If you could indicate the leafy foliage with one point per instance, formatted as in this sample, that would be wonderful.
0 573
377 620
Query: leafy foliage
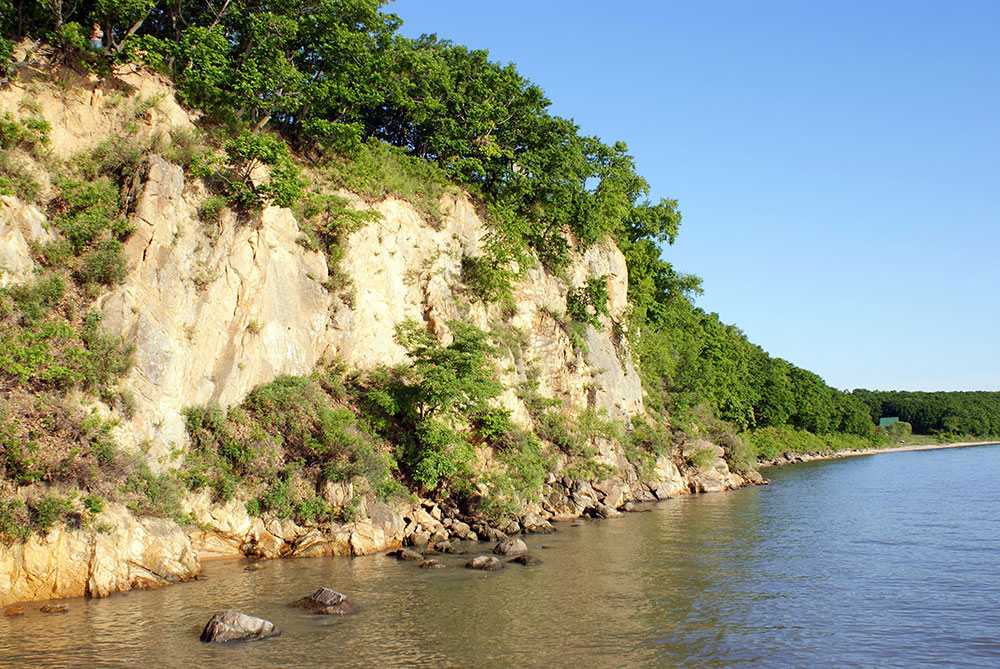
288 436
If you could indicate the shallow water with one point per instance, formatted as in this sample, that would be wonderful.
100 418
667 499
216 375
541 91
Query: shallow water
883 560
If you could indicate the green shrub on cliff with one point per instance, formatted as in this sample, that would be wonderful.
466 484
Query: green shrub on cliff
286 435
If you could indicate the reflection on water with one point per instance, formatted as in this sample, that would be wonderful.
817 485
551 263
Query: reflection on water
887 560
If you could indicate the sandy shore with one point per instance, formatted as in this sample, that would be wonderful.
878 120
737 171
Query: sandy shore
808 457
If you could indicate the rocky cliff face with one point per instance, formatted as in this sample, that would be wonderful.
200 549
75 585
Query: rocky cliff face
215 311
214 314
123 553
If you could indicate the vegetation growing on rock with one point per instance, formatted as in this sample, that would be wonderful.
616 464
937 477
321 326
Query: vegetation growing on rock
316 108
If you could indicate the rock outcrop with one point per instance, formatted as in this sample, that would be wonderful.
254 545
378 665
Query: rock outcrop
125 553
215 309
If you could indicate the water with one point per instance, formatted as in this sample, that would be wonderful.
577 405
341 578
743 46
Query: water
887 560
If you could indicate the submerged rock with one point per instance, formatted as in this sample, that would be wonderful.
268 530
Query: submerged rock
431 564
13 610
327 602
485 563
54 608
510 545
527 560
227 626
405 554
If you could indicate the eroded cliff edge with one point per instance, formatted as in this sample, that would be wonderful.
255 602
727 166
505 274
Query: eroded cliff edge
215 311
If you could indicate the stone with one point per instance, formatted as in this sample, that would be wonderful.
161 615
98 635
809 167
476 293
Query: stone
255 566
663 492
602 510
418 539
526 560
487 533
535 524
430 564
615 496
13 610
327 602
462 531
509 546
54 608
509 526
227 626
405 554
485 563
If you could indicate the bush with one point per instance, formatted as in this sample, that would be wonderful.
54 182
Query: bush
378 170
249 151
45 511
103 264
587 303
155 494
13 524
93 504
210 209
86 209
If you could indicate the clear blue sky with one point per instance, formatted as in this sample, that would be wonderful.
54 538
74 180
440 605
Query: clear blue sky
837 163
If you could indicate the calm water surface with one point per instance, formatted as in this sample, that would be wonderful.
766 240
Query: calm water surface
886 560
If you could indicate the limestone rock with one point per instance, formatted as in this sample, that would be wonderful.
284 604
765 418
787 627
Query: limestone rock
13 610
431 564
227 626
132 553
54 608
21 225
327 602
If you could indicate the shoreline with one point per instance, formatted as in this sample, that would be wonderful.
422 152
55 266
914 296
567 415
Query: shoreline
809 457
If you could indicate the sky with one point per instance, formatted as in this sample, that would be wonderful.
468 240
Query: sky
837 163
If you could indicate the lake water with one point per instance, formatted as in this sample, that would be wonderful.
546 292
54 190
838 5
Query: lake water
886 560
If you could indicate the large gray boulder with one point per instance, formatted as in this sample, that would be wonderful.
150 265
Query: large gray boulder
327 602
235 626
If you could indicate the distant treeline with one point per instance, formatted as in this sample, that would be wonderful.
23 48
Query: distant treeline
975 413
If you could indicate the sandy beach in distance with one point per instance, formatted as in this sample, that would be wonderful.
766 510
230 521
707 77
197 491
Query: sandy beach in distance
809 457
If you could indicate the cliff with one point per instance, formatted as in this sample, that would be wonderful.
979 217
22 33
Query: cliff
216 310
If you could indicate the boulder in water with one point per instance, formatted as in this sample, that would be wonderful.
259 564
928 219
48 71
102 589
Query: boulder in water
527 560
510 545
431 564
485 563
235 626
328 602
405 554
54 608
13 610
